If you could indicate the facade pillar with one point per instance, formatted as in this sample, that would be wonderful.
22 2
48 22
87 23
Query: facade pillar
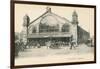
60 28
37 29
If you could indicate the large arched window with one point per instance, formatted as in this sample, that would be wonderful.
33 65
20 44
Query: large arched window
47 28
53 28
43 28
49 24
34 30
65 28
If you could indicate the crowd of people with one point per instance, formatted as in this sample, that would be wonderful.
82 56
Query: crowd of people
21 45
50 43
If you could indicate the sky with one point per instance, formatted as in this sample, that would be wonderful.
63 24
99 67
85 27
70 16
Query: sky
85 15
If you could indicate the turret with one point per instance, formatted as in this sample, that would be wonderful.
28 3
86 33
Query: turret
74 26
74 18
26 20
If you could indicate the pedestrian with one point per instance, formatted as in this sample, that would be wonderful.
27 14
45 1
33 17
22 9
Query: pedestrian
48 44
72 43
38 45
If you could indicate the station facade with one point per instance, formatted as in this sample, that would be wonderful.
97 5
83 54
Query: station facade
52 27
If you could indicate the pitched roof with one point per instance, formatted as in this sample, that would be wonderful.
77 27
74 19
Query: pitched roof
53 15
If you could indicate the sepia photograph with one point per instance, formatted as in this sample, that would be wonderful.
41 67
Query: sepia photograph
46 33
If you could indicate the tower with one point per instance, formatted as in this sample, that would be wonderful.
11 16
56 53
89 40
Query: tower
26 21
75 18
74 26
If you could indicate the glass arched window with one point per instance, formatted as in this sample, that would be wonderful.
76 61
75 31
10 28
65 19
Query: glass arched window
65 28
53 28
43 28
33 30
49 24
47 28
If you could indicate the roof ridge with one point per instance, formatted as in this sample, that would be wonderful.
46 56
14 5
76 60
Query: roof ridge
51 13
61 17
37 18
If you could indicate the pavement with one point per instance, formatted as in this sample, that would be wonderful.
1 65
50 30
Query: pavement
46 55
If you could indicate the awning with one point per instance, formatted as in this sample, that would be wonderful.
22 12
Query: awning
46 35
